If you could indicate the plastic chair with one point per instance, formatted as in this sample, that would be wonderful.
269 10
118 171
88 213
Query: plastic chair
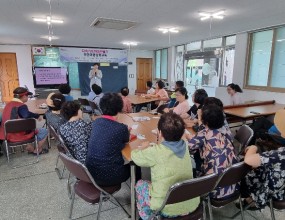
230 176
243 136
86 188
276 204
186 190
17 126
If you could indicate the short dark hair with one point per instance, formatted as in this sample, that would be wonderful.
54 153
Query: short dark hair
235 87
171 126
213 116
160 84
64 89
96 89
183 91
214 101
70 109
149 84
111 104
125 91
200 95
179 84
58 99
98 64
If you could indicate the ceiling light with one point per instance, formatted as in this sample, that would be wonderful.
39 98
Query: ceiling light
168 30
49 38
130 43
48 20
216 15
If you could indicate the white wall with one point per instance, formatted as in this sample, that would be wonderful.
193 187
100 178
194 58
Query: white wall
24 63
132 68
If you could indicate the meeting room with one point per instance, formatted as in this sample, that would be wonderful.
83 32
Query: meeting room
142 110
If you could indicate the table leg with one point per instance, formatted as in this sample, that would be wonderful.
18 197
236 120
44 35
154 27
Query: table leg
133 193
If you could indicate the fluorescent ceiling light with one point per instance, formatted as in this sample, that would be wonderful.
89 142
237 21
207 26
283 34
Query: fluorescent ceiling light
130 43
168 30
49 38
48 20
216 15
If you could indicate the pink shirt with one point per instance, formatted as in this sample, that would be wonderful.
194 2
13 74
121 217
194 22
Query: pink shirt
162 93
182 108
127 108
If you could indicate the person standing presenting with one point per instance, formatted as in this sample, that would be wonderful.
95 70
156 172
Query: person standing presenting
95 76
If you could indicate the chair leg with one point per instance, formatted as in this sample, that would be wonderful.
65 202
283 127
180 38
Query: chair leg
69 187
7 151
210 209
56 168
100 206
271 210
204 210
71 204
241 209
119 204
63 169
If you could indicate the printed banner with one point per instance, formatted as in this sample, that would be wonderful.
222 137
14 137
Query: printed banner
93 55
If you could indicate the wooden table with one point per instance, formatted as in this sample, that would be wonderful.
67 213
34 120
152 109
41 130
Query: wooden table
34 106
138 99
252 112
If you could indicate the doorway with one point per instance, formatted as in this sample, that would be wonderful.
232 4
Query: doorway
9 79
144 72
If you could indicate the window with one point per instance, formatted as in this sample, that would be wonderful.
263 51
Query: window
161 58
194 46
266 61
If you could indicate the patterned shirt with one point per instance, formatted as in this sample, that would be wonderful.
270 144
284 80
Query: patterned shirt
76 135
217 153
265 181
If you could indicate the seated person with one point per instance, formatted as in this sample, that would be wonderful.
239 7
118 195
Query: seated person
95 96
127 105
265 179
169 163
183 105
104 160
172 102
75 132
65 89
214 144
160 93
18 109
234 90
191 118
53 116
262 127
150 91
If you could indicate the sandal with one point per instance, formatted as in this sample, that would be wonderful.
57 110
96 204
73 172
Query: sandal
44 151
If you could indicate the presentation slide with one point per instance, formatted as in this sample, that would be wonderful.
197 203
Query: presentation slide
50 76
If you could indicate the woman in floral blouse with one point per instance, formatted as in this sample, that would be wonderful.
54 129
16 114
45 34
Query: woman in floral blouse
75 132
267 177
215 147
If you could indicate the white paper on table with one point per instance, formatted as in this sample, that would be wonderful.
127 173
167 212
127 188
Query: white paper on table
134 127
156 117
140 136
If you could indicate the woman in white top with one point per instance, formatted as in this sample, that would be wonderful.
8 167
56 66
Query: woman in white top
234 90
183 105
95 76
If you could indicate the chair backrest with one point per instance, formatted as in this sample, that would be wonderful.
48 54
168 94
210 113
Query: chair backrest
233 174
83 102
19 125
244 135
93 105
53 131
62 143
76 168
190 189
